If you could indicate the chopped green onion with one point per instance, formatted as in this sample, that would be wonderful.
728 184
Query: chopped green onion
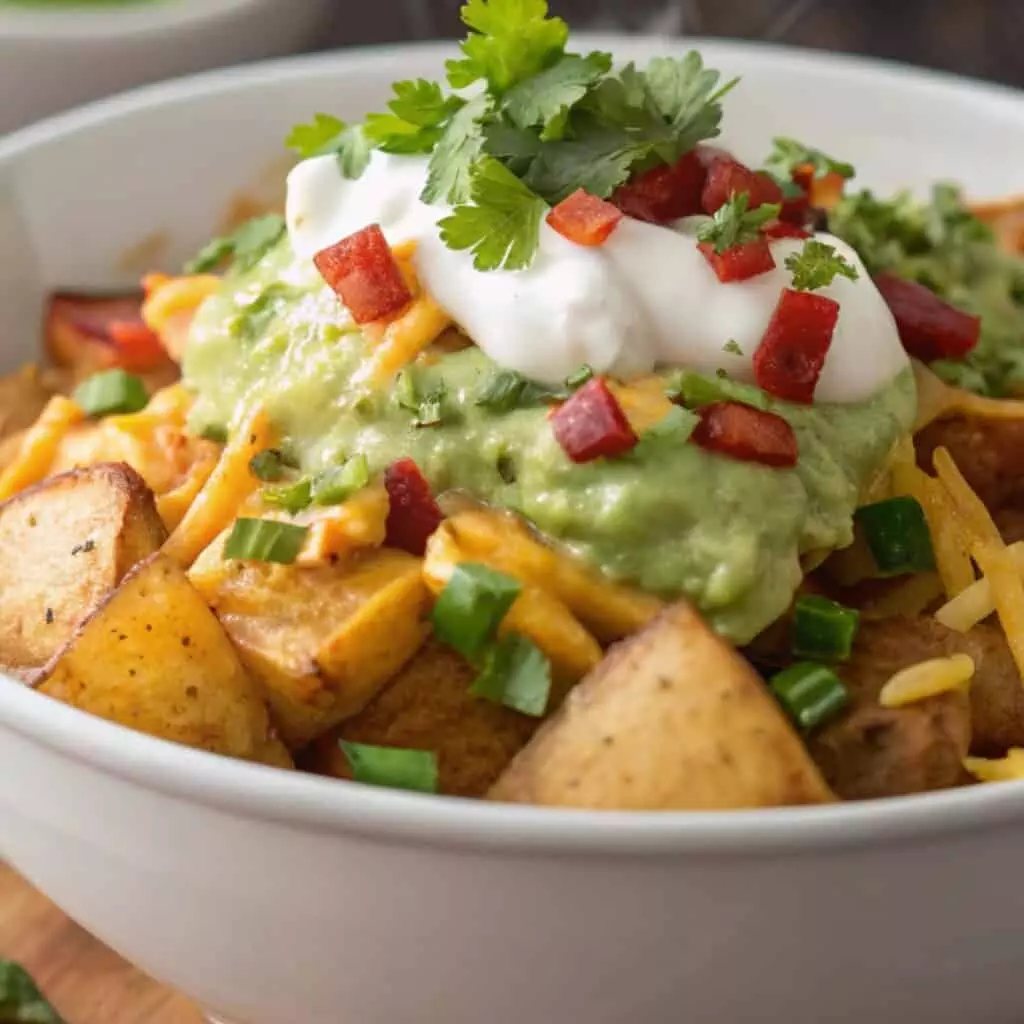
109 392
20 998
897 534
695 391
432 411
503 392
264 540
578 378
394 767
469 610
215 432
268 465
405 392
823 628
337 484
515 673
293 497
810 693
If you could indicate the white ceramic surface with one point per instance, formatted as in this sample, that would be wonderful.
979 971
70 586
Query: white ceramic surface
280 899
52 59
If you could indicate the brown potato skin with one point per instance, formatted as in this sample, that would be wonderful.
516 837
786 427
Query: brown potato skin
154 658
672 719
428 707
52 577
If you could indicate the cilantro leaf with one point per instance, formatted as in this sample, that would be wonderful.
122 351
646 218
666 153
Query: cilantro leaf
418 114
247 246
515 147
21 1002
502 223
545 99
511 40
732 347
733 224
516 673
672 430
788 155
458 149
817 265
326 136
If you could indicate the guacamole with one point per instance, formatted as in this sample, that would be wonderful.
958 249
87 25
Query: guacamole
668 517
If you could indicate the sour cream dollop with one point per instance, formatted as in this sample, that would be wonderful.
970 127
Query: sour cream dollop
645 298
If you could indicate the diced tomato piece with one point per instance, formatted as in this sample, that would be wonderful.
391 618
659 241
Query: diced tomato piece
727 177
592 424
138 346
743 432
796 209
741 261
413 514
707 154
930 328
664 193
365 275
783 229
790 358
584 218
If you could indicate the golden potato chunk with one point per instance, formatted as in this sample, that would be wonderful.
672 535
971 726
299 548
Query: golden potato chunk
672 719
154 658
64 545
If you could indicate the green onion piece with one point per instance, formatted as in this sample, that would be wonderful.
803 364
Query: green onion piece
515 673
469 610
897 534
406 393
503 392
292 497
215 432
264 540
810 693
109 392
337 484
578 378
431 411
394 767
268 464
20 998
823 628
695 391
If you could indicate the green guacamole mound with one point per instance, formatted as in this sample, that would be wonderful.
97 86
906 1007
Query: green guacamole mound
668 517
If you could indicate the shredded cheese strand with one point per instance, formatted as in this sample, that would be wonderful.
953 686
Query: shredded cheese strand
927 679
1002 769
975 603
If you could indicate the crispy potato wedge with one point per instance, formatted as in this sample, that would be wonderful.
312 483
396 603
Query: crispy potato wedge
64 545
154 658
321 640
673 718
427 706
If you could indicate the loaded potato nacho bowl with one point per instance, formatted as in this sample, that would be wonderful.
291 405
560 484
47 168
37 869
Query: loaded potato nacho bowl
540 450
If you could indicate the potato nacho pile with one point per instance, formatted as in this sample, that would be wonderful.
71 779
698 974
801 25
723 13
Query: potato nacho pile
543 451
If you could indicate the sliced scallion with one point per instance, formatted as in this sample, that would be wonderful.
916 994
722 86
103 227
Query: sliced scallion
896 531
268 465
578 378
469 610
110 392
515 673
810 693
823 629
337 484
264 540
394 767
502 392
293 497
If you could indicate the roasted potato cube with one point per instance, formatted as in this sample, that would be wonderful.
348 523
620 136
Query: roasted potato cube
427 706
64 545
673 718
322 640
154 658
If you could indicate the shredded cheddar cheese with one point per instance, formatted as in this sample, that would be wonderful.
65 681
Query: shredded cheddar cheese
360 522
1001 769
39 446
936 399
975 603
927 679
171 303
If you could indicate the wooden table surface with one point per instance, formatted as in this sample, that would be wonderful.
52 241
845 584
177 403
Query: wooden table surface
85 981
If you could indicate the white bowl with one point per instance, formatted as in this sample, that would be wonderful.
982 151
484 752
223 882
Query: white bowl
51 59
274 898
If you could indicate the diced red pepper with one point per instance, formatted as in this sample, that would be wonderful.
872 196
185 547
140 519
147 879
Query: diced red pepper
413 514
727 177
591 424
739 262
664 193
790 358
365 275
796 209
584 218
743 432
930 328
707 154
783 229
138 346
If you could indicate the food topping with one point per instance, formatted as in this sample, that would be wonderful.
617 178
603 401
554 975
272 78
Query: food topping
264 540
810 693
728 178
751 435
664 193
109 392
591 424
393 767
897 534
823 629
584 219
413 513
469 610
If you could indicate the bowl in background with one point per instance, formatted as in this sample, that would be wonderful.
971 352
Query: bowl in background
276 898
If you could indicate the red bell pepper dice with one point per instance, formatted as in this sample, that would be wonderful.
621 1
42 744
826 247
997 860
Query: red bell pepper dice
728 177
783 229
745 433
364 274
739 262
790 358
930 328
413 514
592 424
796 209
138 346
584 218
664 193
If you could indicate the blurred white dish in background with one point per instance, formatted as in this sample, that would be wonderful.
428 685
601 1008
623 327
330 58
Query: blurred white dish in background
57 56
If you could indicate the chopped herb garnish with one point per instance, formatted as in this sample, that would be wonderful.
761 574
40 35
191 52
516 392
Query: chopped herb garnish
469 610
823 629
268 465
214 432
265 540
433 411
897 534
449 171
544 100
810 693
788 155
392 767
21 1002
246 247
817 265
515 673
695 391
733 224
578 378
673 429
292 497
49 616
338 483
503 391
418 114
732 347
326 136
111 392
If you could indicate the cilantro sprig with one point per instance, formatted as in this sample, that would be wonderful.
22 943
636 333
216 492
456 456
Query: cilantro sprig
416 118
789 155
817 265
244 249
326 135
734 224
